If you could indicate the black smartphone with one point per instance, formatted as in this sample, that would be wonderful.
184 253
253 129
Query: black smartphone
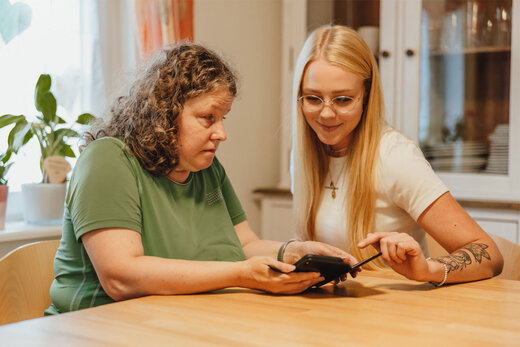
329 267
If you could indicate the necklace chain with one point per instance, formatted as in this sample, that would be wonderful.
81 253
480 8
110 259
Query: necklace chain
332 186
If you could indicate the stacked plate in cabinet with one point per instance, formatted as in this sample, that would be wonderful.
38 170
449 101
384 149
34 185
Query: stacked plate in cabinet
498 150
460 156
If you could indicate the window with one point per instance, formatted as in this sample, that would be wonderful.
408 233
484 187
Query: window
59 38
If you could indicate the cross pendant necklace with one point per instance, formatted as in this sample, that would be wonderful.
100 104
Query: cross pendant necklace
332 186
333 189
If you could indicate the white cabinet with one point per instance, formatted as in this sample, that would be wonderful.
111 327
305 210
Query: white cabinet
451 80
277 221
504 223
277 217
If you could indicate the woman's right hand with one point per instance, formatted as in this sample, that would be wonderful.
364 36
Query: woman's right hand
257 274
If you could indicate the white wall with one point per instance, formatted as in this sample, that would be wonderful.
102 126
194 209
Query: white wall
248 34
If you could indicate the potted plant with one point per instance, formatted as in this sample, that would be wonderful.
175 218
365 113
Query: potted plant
43 202
5 164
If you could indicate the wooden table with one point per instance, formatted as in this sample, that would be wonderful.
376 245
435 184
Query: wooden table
374 309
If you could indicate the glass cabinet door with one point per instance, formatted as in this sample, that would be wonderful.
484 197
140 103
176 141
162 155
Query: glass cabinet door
465 66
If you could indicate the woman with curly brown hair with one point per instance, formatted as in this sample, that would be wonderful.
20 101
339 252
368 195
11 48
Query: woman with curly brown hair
150 210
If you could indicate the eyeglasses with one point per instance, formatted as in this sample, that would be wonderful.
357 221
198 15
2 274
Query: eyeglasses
339 104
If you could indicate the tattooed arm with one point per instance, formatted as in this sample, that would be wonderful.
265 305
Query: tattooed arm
473 254
460 259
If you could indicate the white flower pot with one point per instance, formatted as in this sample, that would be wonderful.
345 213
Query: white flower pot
43 203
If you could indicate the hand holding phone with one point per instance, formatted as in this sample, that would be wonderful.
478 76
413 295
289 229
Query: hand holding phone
329 267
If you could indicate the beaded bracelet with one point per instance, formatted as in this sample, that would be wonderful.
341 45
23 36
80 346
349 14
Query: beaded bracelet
282 249
438 284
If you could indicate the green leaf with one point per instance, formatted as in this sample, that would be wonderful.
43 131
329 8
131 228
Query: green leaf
7 119
59 136
4 168
65 132
3 172
17 135
66 151
42 86
60 120
46 103
4 158
85 118
27 137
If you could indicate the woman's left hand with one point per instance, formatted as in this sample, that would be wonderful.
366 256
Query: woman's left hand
401 252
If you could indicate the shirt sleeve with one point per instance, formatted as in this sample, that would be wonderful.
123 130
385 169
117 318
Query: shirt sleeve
406 176
236 212
104 189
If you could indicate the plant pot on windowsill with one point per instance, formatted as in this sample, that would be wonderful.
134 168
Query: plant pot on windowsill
43 202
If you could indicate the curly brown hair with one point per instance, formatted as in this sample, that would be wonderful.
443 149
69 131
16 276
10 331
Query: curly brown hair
146 117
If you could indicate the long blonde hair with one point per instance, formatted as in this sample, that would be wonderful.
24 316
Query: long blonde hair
343 47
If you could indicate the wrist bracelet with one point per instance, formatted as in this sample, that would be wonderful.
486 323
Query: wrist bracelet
438 284
282 250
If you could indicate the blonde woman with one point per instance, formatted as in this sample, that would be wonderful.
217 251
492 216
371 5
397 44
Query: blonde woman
364 187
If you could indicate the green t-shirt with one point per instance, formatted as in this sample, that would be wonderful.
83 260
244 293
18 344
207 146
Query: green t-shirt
109 189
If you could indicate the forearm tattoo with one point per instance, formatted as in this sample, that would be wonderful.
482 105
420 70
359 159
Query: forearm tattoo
461 258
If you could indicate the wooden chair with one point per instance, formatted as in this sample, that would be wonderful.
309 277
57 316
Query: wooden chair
510 251
26 274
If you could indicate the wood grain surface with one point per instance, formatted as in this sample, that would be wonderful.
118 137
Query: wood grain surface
375 309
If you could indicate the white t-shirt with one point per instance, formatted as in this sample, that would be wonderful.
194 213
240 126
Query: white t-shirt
405 186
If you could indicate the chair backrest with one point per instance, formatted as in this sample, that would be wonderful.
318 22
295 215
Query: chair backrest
510 251
26 274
